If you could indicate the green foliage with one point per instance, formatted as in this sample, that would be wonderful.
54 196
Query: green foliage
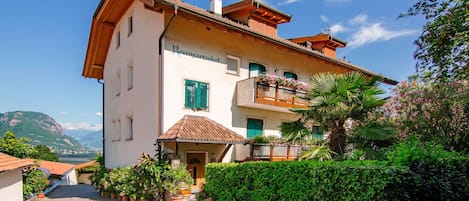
434 173
295 131
19 147
259 139
335 98
149 179
43 152
34 181
16 147
317 152
433 112
443 47
302 180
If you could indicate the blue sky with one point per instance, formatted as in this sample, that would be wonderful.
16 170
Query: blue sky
43 44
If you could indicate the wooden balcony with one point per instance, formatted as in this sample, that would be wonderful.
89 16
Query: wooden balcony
254 94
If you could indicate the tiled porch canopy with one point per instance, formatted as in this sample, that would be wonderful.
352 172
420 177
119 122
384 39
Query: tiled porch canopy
197 129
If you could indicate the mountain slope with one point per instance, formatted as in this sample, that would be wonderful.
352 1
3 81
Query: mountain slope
40 129
88 138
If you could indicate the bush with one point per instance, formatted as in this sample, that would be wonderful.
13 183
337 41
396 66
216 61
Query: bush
434 173
34 181
302 180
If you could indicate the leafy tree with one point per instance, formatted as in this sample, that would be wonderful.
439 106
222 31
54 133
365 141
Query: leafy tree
16 147
335 98
433 112
44 153
443 47
19 147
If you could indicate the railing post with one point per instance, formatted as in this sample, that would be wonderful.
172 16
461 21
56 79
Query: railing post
271 152
276 93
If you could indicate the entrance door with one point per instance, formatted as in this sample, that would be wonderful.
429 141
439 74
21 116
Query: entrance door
196 166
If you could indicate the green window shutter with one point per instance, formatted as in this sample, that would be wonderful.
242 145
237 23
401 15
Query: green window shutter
317 132
257 67
190 94
202 95
290 75
255 127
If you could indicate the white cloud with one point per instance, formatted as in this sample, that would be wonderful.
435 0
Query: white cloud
64 113
99 114
359 19
375 32
324 18
288 2
337 28
81 125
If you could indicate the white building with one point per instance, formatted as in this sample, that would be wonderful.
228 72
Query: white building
188 76
11 177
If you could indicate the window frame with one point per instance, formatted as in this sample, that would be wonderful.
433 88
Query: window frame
130 128
118 38
197 95
117 130
130 77
118 84
238 64
130 25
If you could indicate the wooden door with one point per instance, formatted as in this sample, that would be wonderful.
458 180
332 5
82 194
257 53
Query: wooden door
196 166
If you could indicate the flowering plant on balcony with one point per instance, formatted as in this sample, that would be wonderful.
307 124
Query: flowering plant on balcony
283 81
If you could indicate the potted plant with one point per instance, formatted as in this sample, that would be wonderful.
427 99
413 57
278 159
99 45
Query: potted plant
175 179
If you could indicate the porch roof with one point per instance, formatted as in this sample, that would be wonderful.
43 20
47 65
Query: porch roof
197 129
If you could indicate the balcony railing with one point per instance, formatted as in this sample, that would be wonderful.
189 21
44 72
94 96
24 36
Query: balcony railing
279 96
262 95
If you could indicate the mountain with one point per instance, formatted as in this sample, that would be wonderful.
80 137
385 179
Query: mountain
88 138
39 128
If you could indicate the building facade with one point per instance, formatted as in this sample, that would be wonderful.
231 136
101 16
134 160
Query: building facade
199 82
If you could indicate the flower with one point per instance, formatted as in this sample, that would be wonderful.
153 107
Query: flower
283 81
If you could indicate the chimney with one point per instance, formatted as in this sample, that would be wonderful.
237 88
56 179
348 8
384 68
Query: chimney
216 6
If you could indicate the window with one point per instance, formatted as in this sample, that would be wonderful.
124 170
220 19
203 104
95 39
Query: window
130 128
118 39
118 84
255 127
196 95
131 26
290 75
317 132
232 64
130 77
117 130
256 69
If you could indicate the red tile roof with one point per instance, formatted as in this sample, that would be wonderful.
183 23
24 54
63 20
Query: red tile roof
55 168
85 164
199 129
8 163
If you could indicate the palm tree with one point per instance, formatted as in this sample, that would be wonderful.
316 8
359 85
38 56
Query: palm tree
335 98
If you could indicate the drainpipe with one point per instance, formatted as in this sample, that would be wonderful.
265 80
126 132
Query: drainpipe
161 77
104 139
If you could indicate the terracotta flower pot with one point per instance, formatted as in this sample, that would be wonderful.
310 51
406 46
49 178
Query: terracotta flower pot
176 198
113 196
125 198
41 195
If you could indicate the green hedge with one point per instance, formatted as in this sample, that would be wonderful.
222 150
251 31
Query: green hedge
414 171
303 180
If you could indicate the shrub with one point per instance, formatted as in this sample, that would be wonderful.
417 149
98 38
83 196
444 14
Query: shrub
34 181
434 173
302 180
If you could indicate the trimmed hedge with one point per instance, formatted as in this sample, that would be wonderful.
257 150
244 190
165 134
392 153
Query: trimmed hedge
415 171
303 180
